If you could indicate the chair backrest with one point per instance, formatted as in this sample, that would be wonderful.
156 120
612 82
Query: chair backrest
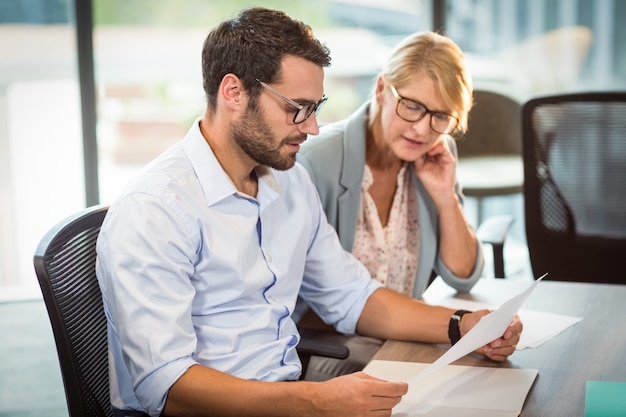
494 126
65 266
574 149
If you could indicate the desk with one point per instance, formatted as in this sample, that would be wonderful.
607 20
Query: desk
593 349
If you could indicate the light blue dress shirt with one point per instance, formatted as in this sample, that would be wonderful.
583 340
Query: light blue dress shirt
193 271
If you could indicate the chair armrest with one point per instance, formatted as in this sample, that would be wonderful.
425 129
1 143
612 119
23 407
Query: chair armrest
493 231
309 346
321 348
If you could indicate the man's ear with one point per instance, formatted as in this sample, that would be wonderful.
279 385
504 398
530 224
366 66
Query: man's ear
231 92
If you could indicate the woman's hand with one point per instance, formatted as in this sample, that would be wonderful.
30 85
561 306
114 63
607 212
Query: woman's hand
436 170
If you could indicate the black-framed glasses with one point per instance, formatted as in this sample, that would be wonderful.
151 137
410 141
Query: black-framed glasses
413 111
303 111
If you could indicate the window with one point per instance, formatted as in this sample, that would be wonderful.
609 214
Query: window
526 48
149 75
149 89
41 172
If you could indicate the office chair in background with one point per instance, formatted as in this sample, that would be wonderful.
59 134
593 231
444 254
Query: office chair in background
65 266
490 164
490 153
574 148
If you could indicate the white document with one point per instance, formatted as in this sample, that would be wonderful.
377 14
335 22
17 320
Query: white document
489 328
459 391
539 326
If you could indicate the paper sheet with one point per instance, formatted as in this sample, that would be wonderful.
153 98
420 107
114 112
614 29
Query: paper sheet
459 391
489 328
539 326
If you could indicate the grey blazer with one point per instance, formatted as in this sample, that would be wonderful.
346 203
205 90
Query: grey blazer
335 161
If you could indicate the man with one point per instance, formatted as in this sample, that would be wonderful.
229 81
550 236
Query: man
201 259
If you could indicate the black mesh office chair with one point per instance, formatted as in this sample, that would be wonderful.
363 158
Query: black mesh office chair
65 266
574 149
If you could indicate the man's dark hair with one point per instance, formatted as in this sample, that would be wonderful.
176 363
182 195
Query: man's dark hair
252 46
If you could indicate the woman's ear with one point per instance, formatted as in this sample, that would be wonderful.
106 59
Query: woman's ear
379 91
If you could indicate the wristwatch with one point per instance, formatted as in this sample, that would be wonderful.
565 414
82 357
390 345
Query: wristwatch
454 332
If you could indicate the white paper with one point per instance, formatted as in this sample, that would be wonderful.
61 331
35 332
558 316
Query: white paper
539 326
459 391
489 328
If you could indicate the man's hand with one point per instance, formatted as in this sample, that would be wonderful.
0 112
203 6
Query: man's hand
500 349
356 395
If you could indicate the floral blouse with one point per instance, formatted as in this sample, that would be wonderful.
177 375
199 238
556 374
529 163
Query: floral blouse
390 253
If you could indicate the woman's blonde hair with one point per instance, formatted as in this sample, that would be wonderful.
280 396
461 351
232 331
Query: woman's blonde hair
434 55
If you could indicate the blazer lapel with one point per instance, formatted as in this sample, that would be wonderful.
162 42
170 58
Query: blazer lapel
428 219
353 165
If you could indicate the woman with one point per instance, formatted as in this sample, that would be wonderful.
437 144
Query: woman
386 178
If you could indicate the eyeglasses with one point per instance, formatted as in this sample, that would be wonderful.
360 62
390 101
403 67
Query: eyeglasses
303 111
413 111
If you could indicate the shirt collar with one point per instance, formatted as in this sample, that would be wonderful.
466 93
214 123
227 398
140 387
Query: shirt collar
215 183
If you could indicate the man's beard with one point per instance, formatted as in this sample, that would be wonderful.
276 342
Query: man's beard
255 138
